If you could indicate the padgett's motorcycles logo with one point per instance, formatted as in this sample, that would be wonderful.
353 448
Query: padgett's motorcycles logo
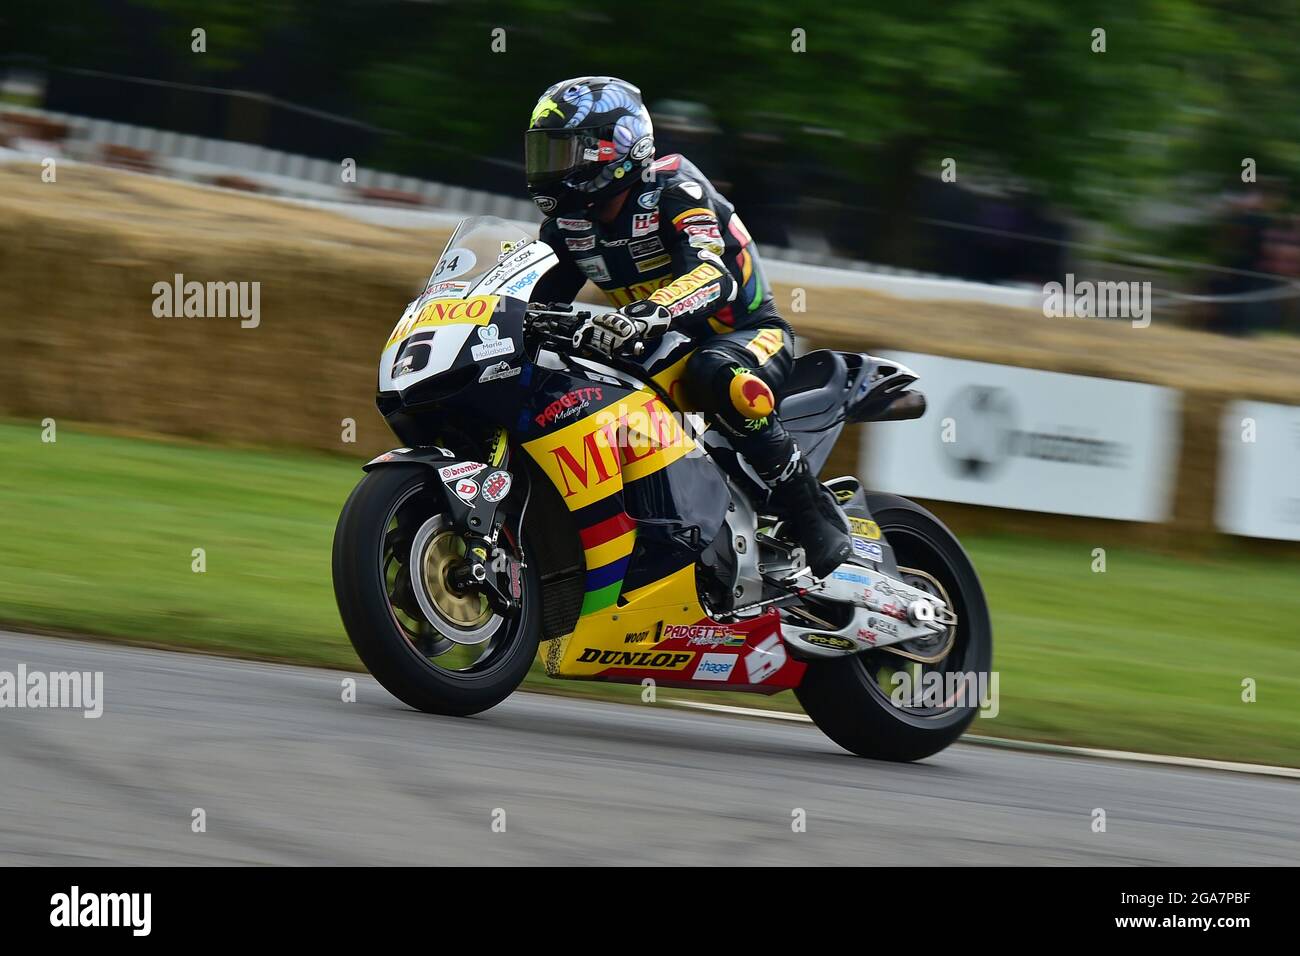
569 405
707 635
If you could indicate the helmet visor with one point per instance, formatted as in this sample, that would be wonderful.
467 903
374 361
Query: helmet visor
551 155
571 155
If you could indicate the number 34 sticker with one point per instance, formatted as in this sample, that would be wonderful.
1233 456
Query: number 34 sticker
454 263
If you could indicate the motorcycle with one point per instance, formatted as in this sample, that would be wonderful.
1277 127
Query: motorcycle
550 496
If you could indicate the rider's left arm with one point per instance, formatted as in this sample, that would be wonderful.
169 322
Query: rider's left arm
692 234
563 282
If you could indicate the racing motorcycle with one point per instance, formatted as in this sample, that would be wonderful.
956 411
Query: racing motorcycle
550 496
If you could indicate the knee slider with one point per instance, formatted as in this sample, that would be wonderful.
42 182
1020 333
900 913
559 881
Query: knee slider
717 384
750 395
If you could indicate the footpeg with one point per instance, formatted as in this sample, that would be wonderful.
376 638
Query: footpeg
887 612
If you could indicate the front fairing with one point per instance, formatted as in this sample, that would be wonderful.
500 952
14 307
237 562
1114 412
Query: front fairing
437 336
466 328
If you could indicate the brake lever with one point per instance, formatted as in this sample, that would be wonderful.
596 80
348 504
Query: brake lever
560 326
579 336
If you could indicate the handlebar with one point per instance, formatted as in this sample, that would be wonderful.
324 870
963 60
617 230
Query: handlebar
544 318
558 325
555 326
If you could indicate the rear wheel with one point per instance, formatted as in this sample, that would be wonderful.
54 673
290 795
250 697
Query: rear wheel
874 704
436 648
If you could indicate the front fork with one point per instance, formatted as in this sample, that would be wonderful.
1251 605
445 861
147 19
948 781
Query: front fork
488 566
492 570
472 492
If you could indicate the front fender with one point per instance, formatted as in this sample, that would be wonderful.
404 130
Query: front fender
432 455
471 490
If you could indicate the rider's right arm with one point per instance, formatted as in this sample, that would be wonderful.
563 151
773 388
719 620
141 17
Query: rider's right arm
563 282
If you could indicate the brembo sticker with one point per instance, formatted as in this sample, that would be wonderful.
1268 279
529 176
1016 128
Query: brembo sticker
462 470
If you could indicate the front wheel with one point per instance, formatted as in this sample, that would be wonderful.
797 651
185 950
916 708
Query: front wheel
869 703
440 650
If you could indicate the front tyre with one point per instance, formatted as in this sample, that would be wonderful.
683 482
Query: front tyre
440 651
855 700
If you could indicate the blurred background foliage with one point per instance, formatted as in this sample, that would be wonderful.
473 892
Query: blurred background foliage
1140 140
1185 88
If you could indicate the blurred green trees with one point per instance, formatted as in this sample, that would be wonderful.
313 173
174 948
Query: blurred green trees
1183 92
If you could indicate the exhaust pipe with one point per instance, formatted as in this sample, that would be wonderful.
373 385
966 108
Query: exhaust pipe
890 407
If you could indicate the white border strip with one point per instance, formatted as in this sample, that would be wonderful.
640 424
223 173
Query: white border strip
741 711
1198 763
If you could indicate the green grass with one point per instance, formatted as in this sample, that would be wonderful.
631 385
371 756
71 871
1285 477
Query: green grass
97 533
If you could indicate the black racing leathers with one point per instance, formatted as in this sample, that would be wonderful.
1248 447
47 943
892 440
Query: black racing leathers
678 242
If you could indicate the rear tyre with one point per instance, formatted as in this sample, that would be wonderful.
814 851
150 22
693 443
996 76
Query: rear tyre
849 698
392 509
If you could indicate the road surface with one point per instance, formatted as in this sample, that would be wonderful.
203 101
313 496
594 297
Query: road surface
286 772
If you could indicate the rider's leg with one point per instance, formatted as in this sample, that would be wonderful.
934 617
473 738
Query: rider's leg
733 378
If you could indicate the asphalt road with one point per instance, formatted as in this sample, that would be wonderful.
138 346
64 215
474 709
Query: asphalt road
287 773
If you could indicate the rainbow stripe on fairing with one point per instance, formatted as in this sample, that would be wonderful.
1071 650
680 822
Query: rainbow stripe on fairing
607 545
589 461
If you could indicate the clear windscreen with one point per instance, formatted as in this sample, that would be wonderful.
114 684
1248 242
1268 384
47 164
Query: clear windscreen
474 249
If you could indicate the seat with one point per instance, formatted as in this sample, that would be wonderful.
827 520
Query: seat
811 405
813 393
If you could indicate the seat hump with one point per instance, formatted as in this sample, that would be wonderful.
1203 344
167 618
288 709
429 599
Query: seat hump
815 387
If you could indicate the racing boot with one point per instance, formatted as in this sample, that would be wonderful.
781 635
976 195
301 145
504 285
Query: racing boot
811 514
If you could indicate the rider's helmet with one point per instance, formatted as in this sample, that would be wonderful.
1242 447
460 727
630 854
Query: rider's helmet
589 139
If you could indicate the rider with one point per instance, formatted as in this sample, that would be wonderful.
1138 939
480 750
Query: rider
670 252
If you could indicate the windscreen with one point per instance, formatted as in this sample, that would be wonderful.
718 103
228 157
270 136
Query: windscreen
473 250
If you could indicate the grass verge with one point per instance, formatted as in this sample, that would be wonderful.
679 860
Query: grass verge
98 535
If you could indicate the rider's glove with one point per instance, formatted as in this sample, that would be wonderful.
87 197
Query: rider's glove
611 332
